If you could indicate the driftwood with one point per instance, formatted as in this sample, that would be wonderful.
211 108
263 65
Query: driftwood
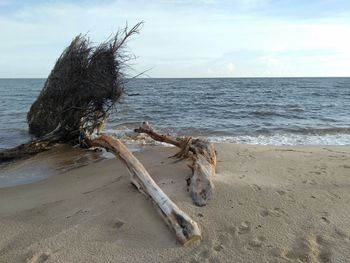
186 229
203 156
82 89
25 150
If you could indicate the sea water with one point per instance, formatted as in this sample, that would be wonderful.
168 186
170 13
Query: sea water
275 111
269 111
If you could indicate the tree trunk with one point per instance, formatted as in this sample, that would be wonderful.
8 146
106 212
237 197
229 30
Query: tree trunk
25 150
186 230
203 156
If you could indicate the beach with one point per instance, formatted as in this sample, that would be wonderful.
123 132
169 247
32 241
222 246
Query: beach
271 204
237 113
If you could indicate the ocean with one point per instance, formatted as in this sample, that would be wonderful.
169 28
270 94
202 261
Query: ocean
268 111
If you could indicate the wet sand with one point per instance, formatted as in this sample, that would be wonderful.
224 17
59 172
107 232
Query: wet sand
271 204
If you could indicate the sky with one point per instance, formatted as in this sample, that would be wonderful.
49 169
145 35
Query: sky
193 38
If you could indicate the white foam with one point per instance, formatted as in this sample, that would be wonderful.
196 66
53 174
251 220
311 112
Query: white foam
286 139
129 137
132 138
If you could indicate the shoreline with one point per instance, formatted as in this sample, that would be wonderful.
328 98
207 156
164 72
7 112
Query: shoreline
64 158
271 204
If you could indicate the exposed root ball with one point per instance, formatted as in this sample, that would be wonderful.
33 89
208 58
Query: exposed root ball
82 88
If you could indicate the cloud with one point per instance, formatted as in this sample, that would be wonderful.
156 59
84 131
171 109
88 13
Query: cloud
185 2
231 68
196 38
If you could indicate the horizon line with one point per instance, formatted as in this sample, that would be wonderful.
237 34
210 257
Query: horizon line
254 77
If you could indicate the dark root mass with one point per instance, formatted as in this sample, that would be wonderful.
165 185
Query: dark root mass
81 90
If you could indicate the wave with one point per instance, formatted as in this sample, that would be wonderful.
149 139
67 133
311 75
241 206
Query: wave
286 139
132 138
329 136
271 114
310 111
305 131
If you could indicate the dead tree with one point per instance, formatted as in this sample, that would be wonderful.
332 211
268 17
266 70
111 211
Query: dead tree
83 87
186 229
203 156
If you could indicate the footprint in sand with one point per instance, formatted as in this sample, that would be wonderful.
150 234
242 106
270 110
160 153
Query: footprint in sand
320 170
226 238
256 242
335 184
312 249
244 228
218 247
208 254
256 187
281 192
232 231
324 217
312 182
291 198
276 212
333 195
117 224
291 170
324 248
284 194
342 233
204 254
39 257
242 176
264 213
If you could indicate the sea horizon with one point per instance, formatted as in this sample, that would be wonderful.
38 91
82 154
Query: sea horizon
254 77
268 111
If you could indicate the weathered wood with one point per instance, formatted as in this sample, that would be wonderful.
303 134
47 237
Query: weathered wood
186 229
203 156
25 150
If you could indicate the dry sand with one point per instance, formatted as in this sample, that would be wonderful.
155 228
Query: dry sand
272 204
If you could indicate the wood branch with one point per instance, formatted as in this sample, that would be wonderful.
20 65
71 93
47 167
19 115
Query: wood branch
25 150
203 156
127 33
186 229
146 128
38 145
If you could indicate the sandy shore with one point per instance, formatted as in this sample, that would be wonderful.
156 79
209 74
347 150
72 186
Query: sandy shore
272 204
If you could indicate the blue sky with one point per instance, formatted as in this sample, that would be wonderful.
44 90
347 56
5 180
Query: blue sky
194 38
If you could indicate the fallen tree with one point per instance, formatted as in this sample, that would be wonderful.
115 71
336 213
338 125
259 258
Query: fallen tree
25 149
203 156
186 229
83 87
81 90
